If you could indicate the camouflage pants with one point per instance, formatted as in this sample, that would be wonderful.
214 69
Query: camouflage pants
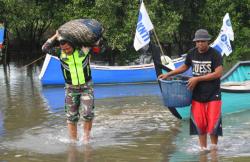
79 102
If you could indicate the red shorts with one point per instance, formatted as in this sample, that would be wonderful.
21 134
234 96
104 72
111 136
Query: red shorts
206 118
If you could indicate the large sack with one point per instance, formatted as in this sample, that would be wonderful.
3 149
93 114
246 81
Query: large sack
81 32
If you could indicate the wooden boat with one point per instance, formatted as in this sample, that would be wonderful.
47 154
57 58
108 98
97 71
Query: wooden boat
235 87
51 73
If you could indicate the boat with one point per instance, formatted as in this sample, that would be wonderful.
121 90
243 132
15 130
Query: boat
235 87
51 72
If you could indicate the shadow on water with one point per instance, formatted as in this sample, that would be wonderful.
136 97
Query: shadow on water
130 125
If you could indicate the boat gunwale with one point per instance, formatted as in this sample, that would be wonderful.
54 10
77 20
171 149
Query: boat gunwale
130 67
233 69
225 76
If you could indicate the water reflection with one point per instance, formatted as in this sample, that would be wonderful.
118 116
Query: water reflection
131 127
128 118
75 153
1 123
211 156
55 95
125 128
21 101
4 86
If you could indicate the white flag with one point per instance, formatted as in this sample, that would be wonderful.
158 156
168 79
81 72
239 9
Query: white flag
222 43
144 25
227 27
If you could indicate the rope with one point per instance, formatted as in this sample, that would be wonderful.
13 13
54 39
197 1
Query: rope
34 61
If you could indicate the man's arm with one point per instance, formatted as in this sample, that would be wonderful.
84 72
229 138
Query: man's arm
179 70
211 76
49 44
192 82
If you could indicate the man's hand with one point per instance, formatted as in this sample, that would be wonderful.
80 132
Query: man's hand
192 82
53 38
163 76
85 49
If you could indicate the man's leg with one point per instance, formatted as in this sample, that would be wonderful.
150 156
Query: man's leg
214 122
72 100
87 110
198 122
203 141
214 141
87 125
72 128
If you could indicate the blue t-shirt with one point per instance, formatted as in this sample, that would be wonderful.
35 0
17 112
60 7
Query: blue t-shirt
202 64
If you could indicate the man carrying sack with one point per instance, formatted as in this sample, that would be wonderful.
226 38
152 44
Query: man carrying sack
76 39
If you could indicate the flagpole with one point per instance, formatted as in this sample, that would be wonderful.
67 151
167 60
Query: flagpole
142 35
158 42
162 53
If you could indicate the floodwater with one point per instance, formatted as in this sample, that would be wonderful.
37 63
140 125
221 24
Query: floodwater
131 125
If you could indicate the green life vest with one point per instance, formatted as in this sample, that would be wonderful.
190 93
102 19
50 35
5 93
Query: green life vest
75 67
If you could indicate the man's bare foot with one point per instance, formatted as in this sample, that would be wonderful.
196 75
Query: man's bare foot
204 150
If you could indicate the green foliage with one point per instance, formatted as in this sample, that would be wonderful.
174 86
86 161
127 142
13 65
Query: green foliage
240 18
118 18
32 21
28 20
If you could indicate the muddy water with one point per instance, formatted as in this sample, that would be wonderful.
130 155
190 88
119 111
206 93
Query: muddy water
129 126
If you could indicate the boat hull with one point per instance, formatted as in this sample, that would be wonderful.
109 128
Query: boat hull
51 73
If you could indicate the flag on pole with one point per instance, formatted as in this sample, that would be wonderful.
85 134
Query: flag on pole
144 25
222 43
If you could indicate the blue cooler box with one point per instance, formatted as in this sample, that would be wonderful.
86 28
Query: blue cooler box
175 93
